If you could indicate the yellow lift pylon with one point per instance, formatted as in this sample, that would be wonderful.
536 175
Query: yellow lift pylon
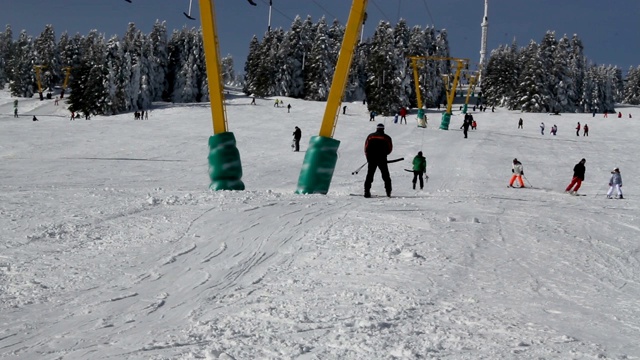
450 86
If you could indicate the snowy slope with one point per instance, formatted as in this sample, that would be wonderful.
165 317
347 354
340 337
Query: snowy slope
113 248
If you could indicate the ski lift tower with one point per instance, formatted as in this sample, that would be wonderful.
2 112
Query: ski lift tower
483 44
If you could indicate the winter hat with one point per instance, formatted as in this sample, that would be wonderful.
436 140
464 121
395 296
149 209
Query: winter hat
419 153
616 170
515 160
380 126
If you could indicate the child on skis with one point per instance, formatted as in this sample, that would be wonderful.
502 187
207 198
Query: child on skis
518 171
419 168
615 182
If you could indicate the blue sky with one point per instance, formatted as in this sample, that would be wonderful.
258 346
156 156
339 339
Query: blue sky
610 32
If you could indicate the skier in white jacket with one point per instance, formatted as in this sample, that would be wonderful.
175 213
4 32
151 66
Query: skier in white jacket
615 182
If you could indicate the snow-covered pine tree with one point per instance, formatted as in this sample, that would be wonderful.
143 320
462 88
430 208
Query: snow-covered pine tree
404 71
46 55
228 72
632 87
382 85
577 69
564 89
319 71
6 54
532 80
20 67
251 65
159 61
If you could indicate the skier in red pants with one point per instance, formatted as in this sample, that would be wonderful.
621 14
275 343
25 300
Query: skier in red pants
578 178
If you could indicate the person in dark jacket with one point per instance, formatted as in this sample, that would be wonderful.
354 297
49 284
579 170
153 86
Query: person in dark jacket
465 125
578 178
376 148
297 135
419 168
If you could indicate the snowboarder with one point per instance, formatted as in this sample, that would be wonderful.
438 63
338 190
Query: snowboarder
297 135
376 148
518 172
542 128
554 130
615 182
288 108
419 169
585 130
34 118
578 178
520 122
403 115
578 129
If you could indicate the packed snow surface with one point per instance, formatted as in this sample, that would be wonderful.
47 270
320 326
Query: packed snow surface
112 246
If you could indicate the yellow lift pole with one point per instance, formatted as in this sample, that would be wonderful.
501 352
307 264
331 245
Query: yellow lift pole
37 69
67 70
322 155
225 167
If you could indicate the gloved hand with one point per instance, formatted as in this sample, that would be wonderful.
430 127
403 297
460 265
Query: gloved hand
610 184
522 173
512 170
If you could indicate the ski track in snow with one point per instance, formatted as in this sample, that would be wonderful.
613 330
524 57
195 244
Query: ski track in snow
145 263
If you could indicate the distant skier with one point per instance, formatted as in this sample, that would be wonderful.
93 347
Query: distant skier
542 128
419 169
372 116
253 100
465 125
585 131
344 110
619 115
288 108
615 182
554 130
15 112
376 148
578 178
578 129
34 118
403 115
520 122
474 125
297 135
276 103
518 172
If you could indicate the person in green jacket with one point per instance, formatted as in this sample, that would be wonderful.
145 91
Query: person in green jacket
419 168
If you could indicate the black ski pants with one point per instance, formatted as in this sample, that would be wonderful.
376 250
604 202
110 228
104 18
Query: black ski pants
374 164
418 175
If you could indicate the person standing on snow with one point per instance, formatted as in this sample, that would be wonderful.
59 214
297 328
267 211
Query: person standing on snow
578 129
376 148
520 124
518 172
585 130
419 168
615 182
542 128
554 130
403 115
465 125
297 135
578 178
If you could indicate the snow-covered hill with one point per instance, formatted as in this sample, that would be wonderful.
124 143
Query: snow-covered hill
113 247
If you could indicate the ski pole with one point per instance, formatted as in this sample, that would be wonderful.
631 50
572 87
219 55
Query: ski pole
527 181
358 169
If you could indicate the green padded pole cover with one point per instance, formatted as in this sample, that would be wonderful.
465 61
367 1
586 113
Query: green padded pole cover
422 121
446 118
225 167
319 163
464 109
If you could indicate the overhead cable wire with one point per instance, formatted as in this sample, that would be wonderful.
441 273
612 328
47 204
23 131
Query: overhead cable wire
379 9
325 10
278 11
429 12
